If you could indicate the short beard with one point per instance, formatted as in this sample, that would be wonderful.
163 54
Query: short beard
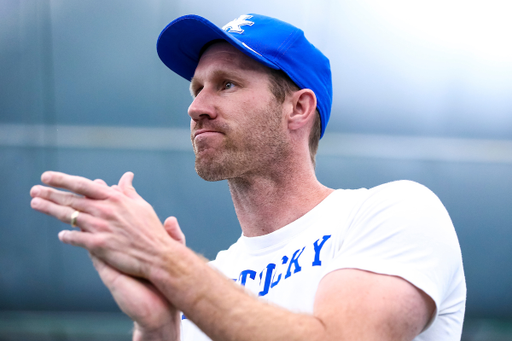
247 152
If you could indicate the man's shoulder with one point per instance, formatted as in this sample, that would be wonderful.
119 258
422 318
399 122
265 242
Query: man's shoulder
394 192
404 191
396 187
403 186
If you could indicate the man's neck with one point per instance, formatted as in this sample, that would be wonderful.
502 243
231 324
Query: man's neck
264 204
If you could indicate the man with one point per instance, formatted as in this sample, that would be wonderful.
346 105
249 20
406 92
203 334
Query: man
312 263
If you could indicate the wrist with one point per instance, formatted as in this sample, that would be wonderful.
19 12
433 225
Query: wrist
175 269
166 332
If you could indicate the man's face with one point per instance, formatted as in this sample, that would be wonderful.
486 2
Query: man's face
237 126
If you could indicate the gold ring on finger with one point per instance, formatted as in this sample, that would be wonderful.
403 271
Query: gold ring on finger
74 216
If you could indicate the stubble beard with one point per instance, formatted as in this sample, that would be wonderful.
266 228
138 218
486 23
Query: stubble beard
247 151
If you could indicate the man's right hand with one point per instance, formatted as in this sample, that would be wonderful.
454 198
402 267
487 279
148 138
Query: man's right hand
154 316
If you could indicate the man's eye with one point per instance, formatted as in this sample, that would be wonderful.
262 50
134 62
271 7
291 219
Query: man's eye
197 91
228 85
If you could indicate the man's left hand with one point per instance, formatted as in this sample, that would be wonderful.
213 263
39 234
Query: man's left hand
116 224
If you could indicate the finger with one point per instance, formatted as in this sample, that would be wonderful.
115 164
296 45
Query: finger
63 213
125 183
107 273
98 263
117 188
77 238
100 181
76 184
62 198
84 220
173 229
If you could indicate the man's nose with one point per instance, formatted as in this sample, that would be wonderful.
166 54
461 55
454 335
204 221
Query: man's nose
202 107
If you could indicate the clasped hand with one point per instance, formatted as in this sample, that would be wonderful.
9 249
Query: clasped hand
116 224
123 235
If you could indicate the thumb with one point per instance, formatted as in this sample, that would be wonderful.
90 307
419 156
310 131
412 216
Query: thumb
107 273
173 229
125 184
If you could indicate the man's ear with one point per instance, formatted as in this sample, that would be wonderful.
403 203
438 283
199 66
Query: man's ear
303 109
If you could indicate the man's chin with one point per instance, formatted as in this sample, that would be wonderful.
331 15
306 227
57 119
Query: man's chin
210 171
210 176
219 166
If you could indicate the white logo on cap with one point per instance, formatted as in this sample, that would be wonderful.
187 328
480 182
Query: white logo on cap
235 25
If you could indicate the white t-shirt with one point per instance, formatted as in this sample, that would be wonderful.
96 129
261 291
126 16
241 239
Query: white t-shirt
399 228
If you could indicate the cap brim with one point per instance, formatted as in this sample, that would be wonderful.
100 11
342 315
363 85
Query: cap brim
180 44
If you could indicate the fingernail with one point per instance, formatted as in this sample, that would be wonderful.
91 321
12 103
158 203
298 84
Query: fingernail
35 191
35 202
61 235
45 177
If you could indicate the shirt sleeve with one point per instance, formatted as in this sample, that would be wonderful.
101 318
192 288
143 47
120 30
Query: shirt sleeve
402 229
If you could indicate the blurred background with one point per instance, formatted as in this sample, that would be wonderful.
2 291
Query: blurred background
422 91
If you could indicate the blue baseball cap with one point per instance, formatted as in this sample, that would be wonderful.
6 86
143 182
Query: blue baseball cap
269 41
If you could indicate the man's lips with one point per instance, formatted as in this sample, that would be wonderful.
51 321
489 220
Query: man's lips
205 132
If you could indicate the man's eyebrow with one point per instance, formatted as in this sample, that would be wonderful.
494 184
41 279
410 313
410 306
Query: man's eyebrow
191 87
